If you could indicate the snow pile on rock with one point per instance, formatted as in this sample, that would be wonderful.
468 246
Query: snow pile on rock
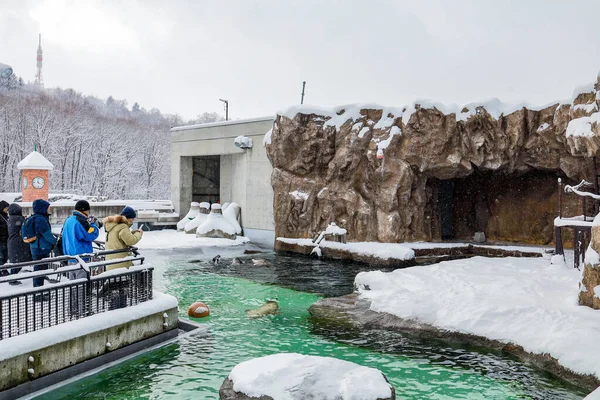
194 210
295 376
199 219
524 301
216 226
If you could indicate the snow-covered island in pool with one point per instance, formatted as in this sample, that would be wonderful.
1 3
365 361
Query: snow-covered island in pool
291 376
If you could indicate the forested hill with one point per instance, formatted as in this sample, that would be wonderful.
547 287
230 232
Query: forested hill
98 147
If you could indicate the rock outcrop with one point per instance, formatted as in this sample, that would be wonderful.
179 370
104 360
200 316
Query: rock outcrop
297 376
427 172
589 287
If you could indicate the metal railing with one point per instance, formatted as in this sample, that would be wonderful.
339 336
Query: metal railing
90 290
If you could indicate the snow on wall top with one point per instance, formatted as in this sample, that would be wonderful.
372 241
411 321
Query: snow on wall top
35 160
221 123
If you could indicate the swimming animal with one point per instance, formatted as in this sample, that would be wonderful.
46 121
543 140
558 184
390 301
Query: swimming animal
216 259
236 261
270 307
259 261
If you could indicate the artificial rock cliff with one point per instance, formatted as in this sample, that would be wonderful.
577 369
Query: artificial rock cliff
428 172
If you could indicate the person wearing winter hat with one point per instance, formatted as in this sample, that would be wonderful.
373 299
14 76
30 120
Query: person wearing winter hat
45 240
3 235
120 236
78 233
18 250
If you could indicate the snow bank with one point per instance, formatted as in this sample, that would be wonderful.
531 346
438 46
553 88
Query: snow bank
526 301
289 376
383 251
171 239
14 346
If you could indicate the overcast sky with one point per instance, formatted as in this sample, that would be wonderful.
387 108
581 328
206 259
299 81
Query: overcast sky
182 56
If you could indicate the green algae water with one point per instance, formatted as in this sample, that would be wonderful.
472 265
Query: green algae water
195 367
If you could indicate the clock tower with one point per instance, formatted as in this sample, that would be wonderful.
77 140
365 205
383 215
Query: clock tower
34 177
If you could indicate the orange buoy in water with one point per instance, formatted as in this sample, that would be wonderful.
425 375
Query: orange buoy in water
198 310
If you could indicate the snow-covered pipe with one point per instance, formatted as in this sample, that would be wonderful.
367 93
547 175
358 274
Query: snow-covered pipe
194 210
232 215
193 225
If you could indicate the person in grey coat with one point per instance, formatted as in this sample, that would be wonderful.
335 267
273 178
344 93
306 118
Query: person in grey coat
18 250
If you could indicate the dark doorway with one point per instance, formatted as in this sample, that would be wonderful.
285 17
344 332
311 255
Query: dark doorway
206 181
446 204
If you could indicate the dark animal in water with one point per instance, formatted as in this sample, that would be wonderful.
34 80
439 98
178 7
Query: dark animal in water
216 259
236 261
252 252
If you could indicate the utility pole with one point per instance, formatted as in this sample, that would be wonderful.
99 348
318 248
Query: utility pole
226 109
303 86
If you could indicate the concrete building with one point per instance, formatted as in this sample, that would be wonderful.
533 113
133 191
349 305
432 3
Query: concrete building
206 165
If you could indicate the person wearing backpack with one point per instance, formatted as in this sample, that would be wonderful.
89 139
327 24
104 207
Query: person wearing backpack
79 232
3 235
37 232
18 250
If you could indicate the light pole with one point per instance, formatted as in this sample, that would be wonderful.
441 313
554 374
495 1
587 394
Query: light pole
226 109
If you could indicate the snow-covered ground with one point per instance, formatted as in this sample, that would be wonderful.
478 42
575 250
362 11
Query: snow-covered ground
170 239
289 376
526 301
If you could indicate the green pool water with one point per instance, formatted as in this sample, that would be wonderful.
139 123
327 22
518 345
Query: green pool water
195 367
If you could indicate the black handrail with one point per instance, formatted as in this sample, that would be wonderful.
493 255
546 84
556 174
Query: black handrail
29 309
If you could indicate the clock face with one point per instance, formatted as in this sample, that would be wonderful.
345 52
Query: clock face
38 182
25 182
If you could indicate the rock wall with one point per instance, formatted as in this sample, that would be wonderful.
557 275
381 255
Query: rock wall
396 174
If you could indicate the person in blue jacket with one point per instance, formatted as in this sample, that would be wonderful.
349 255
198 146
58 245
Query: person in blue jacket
78 233
45 241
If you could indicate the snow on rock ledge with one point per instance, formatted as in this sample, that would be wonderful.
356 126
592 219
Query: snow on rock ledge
291 376
524 301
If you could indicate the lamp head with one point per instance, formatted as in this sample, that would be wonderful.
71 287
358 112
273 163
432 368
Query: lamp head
5 71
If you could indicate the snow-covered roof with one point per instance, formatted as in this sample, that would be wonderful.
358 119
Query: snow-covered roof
35 161
222 123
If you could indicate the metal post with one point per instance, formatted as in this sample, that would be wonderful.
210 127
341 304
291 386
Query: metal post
302 98
559 198
226 109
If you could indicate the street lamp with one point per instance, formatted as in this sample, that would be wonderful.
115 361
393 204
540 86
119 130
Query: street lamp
5 71
226 109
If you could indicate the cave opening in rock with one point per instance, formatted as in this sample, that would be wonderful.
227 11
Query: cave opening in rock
517 207
206 179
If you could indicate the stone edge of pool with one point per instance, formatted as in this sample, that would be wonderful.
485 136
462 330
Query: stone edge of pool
351 311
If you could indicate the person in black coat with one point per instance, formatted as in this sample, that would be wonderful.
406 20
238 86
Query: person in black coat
3 234
18 250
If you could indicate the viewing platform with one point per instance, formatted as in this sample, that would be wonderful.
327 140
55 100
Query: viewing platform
67 326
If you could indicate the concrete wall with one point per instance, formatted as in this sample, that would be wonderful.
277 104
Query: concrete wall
14 370
245 174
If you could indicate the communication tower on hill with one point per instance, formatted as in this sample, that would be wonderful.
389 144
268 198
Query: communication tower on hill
39 79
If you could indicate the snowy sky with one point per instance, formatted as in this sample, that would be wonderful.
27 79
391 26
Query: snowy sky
182 56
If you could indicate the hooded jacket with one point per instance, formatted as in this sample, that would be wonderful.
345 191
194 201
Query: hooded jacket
18 250
119 236
3 223
78 235
45 239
